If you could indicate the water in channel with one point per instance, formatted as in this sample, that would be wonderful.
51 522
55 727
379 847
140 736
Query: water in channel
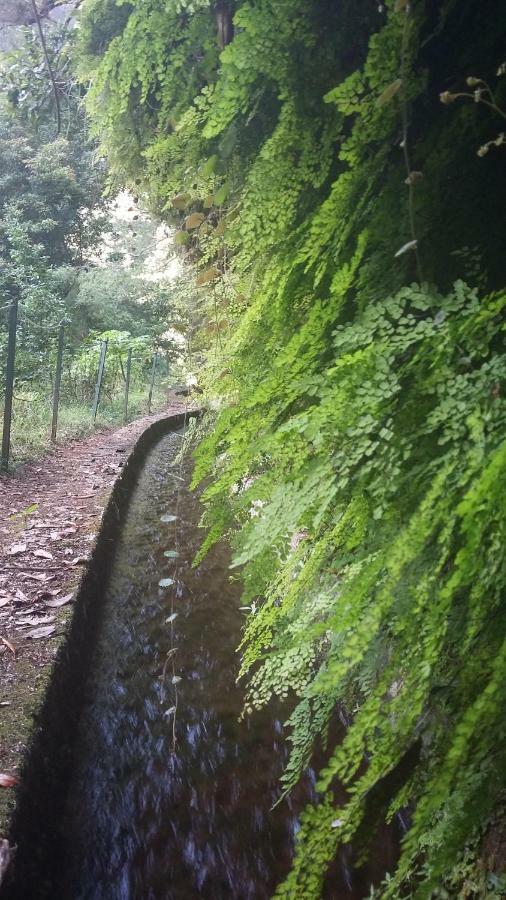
145 819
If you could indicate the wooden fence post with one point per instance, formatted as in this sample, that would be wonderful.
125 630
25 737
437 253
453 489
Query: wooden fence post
101 367
153 370
57 381
127 381
9 384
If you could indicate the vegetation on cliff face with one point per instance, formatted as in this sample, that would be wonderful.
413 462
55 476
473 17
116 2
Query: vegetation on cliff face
349 240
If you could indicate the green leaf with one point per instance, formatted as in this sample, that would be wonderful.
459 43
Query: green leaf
210 165
222 194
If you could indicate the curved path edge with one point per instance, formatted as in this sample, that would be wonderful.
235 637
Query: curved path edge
47 740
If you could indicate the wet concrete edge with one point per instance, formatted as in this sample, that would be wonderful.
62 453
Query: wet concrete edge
39 813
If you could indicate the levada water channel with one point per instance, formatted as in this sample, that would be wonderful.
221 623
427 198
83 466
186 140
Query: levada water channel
159 789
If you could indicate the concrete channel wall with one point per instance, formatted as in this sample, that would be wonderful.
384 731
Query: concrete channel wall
49 761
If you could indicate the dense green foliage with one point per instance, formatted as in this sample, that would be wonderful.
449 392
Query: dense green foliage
68 254
358 460
51 207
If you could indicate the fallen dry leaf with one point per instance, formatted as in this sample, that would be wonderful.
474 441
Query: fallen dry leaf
44 631
8 780
43 553
28 611
35 620
8 644
17 548
5 602
59 601
78 561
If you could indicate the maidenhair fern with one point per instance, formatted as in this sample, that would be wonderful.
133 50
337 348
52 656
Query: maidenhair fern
356 452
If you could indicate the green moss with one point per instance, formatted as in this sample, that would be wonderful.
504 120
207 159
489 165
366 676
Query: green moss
31 673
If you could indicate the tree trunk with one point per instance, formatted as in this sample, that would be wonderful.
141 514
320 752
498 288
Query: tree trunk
224 13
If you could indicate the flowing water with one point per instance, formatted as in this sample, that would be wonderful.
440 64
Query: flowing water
176 804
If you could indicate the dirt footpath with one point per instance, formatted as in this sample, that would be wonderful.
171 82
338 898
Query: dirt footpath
50 512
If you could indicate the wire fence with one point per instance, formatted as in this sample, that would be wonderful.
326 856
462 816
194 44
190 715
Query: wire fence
56 386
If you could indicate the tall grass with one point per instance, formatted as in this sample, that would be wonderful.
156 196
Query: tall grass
31 419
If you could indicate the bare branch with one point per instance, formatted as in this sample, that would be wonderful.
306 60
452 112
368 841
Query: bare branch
49 67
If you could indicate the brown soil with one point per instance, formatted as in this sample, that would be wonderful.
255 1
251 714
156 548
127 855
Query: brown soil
50 512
